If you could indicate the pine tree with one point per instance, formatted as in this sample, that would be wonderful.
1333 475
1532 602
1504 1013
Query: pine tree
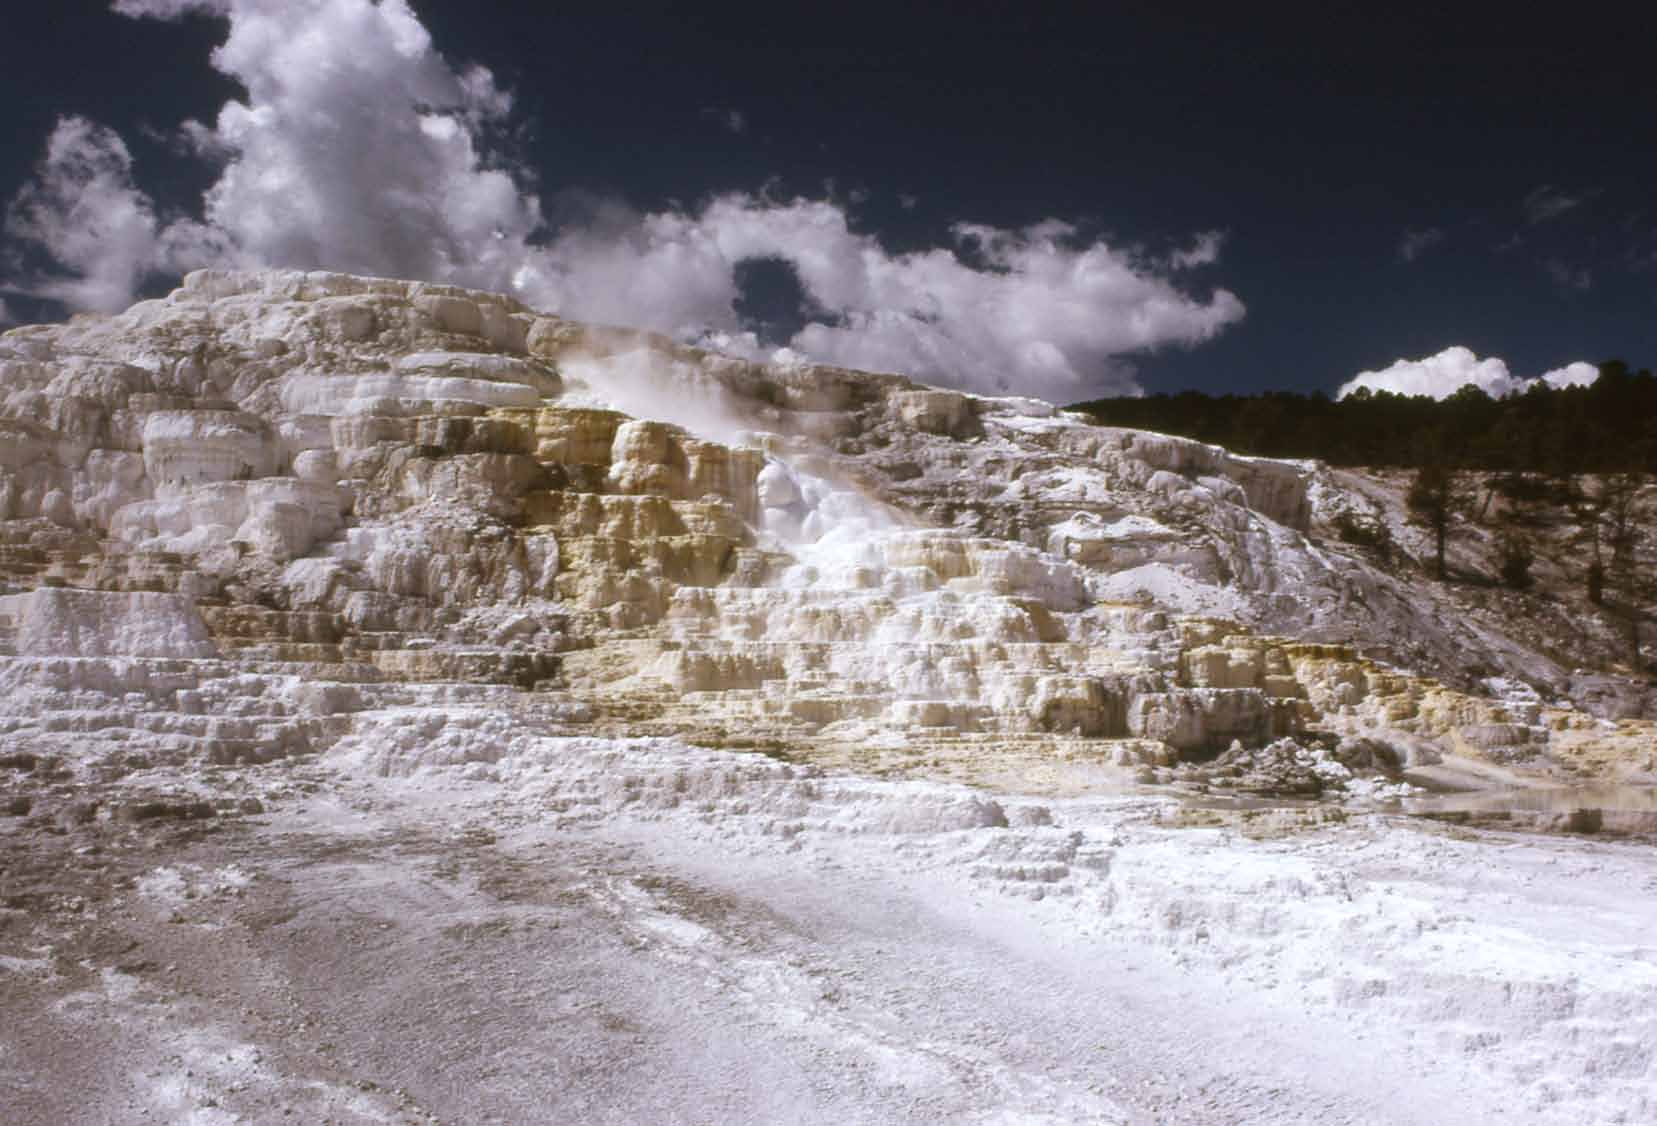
1517 556
1626 513
1434 500
1588 507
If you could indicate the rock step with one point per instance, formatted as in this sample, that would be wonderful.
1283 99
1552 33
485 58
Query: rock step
286 652
184 725
215 752
485 666
814 711
375 641
244 623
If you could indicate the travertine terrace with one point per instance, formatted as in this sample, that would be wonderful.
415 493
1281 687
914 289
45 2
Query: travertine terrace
321 492
287 551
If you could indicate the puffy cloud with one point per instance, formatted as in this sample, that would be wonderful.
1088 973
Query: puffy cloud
1416 243
84 210
359 147
1579 374
1046 314
1437 376
1203 251
356 149
1442 375
1039 311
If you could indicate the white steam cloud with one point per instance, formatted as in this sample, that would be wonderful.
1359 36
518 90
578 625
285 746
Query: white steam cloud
1043 313
85 211
356 147
1442 375
359 147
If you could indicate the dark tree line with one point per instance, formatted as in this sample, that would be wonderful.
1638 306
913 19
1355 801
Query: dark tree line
1588 452
1607 427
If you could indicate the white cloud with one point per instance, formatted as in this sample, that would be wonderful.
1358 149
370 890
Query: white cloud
1437 376
357 146
170 9
1416 243
1045 313
355 149
84 210
1579 374
1203 251
1442 375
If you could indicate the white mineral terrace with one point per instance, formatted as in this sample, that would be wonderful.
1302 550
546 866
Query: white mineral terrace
416 708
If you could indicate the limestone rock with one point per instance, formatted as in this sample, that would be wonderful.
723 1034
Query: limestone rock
236 521
85 623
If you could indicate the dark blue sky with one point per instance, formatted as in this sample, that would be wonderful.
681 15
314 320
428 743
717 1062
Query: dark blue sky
1524 156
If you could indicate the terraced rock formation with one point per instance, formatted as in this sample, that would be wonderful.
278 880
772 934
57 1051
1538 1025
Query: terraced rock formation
233 518
415 708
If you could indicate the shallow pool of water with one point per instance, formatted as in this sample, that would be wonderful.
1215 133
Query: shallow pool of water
1556 799
1625 810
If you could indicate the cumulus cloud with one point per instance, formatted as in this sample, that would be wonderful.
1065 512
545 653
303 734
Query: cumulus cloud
1442 375
1437 376
359 147
1041 310
83 208
1047 311
356 149
1578 374
1416 243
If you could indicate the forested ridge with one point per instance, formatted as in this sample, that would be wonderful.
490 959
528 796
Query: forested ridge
1564 470
1609 426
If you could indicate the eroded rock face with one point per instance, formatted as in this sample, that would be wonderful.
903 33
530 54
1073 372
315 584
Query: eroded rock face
52 621
323 495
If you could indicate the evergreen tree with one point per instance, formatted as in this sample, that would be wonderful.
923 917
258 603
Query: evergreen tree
1625 513
1516 559
1435 498
1587 504
1607 427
